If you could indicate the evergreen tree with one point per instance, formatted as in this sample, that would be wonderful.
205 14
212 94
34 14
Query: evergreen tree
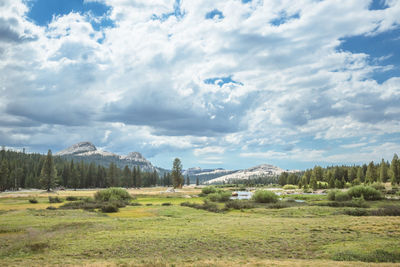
395 170
383 172
126 177
197 181
138 177
283 178
75 178
187 180
4 174
370 176
177 173
360 174
48 173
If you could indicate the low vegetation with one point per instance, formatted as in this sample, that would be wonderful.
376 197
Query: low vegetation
265 196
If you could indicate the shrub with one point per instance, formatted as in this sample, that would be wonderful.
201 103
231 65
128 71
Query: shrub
71 198
239 204
359 202
109 207
166 204
278 205
208 190
33 200
112 194
209 206
357 212
135 204
378 255
87 204
378 186
369 193
263 196
290 187
55 200
342 196
387 211
51 208
149 204
332 194
220 197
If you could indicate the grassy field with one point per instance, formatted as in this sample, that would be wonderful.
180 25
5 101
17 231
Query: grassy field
153 234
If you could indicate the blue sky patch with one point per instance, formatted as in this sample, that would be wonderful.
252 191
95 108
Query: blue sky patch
378 5
283 18
220 81
178 13
42 11
214 13
383 49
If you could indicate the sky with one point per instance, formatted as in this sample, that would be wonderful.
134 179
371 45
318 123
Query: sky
230 84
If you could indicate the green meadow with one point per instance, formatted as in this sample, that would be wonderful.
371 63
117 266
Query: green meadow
157 234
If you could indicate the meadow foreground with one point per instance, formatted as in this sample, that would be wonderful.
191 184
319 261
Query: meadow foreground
151 232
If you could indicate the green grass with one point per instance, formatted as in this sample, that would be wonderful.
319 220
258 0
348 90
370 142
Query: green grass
176 235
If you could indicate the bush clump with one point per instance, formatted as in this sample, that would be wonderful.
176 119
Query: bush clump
51 208
378 186
290 187
207 205
368 192
55 200
378 255
220 196
342 196
264 196
209 190
389 210
278 205
166 204
33 200
112 194
71 198
239 204
357 212
109 207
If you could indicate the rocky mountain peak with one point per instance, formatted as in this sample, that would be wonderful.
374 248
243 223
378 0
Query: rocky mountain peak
78 148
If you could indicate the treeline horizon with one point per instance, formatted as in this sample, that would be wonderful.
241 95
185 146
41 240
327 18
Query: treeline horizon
345 176
25 170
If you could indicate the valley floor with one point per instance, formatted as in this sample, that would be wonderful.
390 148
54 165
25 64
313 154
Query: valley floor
153 234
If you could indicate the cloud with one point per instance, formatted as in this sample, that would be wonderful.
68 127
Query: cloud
199 76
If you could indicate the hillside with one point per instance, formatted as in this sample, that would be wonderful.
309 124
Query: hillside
253 172
88 152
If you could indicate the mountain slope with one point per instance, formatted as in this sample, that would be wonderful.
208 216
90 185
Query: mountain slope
88 152
253 172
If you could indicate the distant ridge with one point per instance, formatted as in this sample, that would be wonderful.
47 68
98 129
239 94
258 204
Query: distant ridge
253 172
88 152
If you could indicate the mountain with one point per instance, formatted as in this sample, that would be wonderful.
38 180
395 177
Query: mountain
88 152
205 174
253 172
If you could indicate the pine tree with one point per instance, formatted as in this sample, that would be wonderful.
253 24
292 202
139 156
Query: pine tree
48 173
138 177
383 172
395 170
74 181
370 176
126 176
4 174
177 173
360 174
197 181
187 180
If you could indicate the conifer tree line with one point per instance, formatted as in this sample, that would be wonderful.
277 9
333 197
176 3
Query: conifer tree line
23 170
342 176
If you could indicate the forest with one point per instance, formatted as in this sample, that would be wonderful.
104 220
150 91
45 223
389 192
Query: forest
25 170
